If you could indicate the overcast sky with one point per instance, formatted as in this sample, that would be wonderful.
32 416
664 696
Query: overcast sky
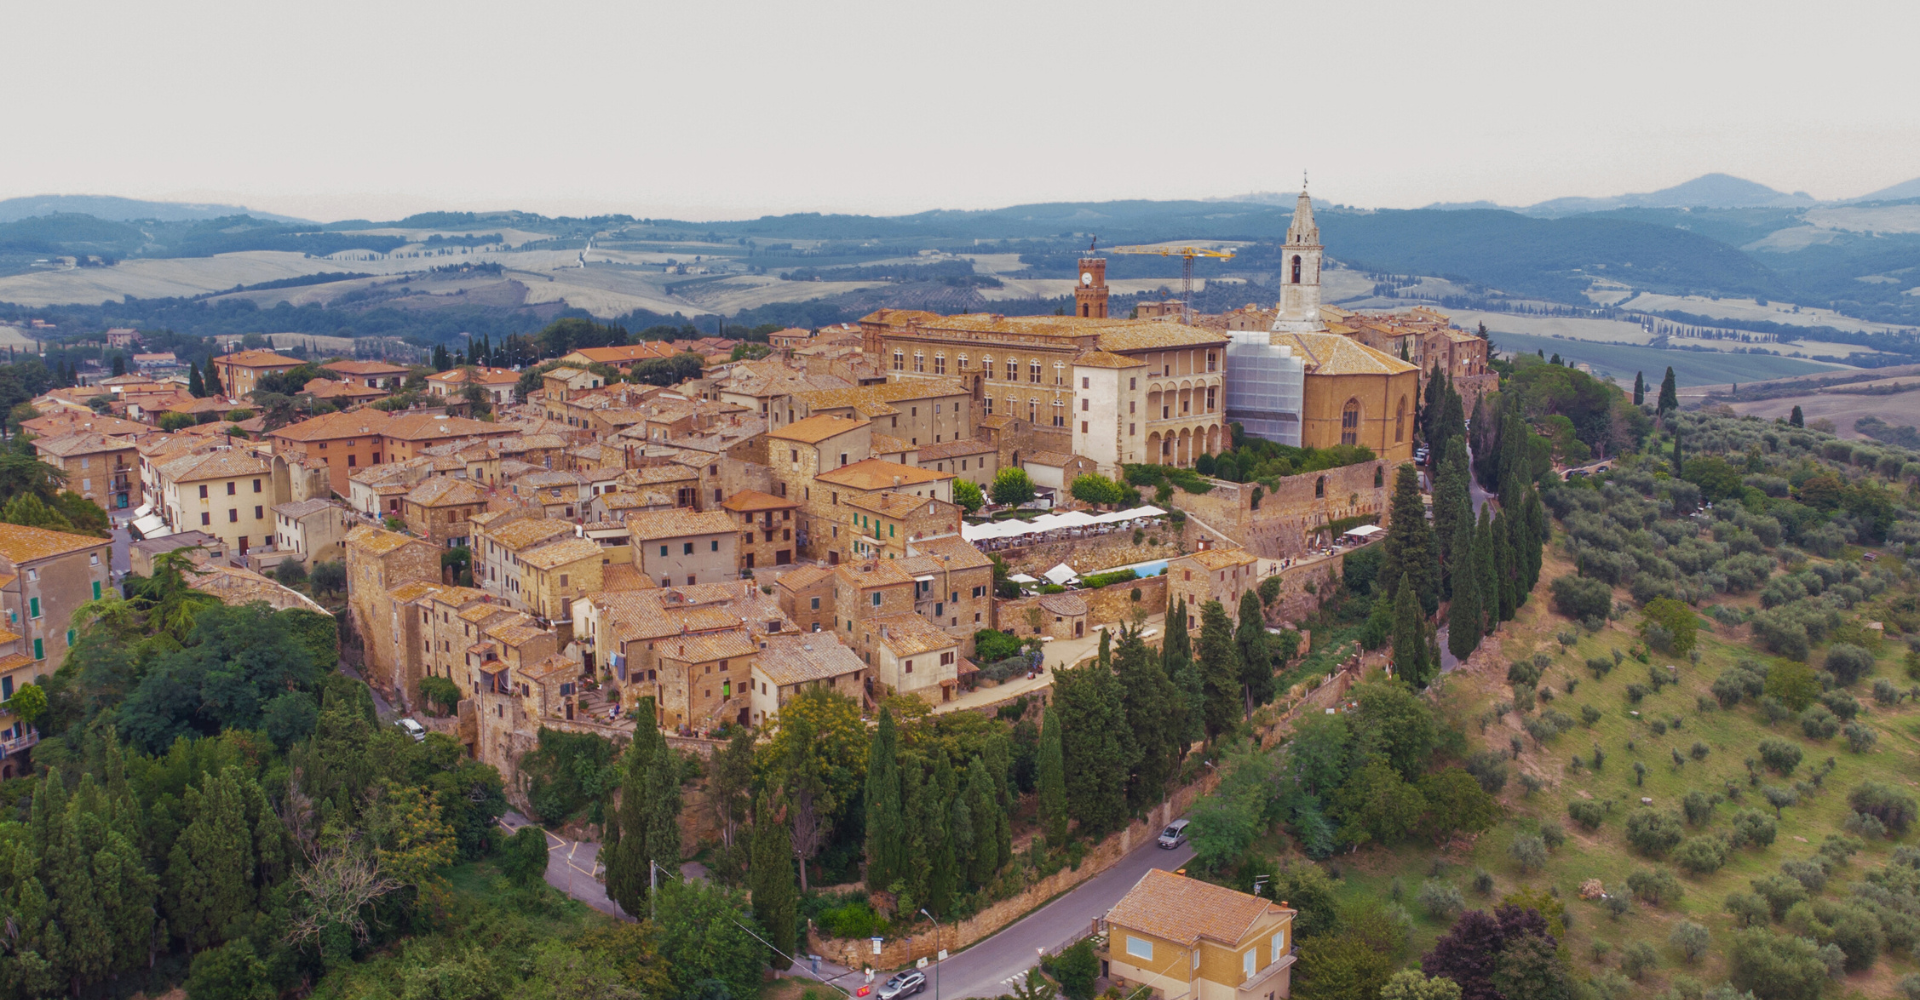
725 110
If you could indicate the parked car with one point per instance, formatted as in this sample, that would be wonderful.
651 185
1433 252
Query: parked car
903 984
413 729
1174 835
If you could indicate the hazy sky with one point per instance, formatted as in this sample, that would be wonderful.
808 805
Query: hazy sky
717 110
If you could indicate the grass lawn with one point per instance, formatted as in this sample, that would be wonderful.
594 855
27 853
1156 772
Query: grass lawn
1731 736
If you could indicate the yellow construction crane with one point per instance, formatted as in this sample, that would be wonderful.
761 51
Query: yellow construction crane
1186 255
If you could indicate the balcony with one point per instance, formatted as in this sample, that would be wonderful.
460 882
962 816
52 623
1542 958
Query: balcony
9 748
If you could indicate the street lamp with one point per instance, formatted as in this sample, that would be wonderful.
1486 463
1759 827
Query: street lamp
936 951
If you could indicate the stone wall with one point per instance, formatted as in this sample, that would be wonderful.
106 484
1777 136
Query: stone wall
1295 601
1091 555
1284 526
1116 604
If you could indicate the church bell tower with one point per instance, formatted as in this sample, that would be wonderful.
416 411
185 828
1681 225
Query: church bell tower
1090 295
1300 273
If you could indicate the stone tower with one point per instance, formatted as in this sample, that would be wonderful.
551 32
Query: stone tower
1300 273
1090 295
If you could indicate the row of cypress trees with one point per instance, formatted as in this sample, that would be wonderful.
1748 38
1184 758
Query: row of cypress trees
936 831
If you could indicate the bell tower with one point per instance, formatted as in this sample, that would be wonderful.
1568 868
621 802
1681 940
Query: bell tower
1090 295
1300 273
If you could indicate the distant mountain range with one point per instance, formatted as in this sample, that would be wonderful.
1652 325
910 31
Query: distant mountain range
116 209
1705 191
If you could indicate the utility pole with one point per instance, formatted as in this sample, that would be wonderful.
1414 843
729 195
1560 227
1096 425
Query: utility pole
653 890
936 951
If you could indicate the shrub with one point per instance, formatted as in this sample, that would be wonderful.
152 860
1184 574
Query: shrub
1690 940
1779 756
1654 833
1701 855
1842 704
1589 715
1698 807
1440 899
1635 692
1482 881
1884 693
1699 751
1553 835
1637 958
1848 663
1600 666
1529 852
1751 826
1676 619
1489 768
1793 684
1889 805
1818 723
1864 825
1578 597
1586 812
1860 737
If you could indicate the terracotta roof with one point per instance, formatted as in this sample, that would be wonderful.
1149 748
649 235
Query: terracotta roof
1331 354
746 500
709 646
423 426
443 491
560 553
887 444
816 429
80 444
20 543
56 424
873 573
332 426
670 473
894 505
796 659
1062 604
1184 910
1057 459
258 359
803 577
211 404
878 474
563 373
378 541
302 508
553 666
890 392
213 465
953 449
365 368
648 525
633 352
530 531
1104 359
952 551
623 576
908 634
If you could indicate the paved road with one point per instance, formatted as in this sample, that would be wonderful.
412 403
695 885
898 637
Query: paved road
989 968
570 866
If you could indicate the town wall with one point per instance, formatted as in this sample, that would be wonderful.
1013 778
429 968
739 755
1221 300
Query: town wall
1091 555
1284 526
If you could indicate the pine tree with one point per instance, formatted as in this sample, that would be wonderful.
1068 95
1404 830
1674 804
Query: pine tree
1487 561
1409 549
210 870
1188 713
983 808
886 837
1256 658
1669 395
1796 418
771 881
1679 468
1464 619
1219 669
1639 388
1154 708
1409 639
1050 781
196 386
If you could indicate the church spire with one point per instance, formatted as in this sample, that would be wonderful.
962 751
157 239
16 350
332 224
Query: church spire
1304 231
1299 310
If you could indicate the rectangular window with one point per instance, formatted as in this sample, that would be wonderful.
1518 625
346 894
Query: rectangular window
663 550
233 516
686 548
256 486
33 607
257 514
1279 946
716 544
876 603
39 649
96 590
206 518
1136 948
816 604
232 487
1249 962
203 492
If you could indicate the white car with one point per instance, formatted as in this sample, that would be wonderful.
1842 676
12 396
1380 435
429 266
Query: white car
1174 835
413 729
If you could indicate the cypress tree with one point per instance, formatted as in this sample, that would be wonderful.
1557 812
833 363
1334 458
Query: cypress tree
913 806
627 849
1409 639
983 807
1669 394
75 939
196 386
214 388
1535 515
1188 713
1679 468
1409 549
1219 669
1796 418
663 807
1256 661
1639 388
1505 564
1487 561
1154 708
943 861
886 838
1096 745
210 870
1051 781
1432 403
1452 501
771 881
960 822
1464 618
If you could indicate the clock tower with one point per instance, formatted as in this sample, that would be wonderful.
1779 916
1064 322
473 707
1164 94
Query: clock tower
1090 295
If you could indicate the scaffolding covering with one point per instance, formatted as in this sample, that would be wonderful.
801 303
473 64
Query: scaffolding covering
1265 383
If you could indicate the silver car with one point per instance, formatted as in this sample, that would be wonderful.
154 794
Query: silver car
1174 835
413 729
903 984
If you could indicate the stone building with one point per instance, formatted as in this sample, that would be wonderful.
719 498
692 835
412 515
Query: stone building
683 547
312 530
437 510
105 470
787 665
1222 575
379 562
240 372
765 523
44 576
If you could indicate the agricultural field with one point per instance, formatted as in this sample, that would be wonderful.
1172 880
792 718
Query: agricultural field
1689 367
1644 783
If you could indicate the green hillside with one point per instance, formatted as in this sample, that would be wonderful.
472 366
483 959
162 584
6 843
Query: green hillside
1689 367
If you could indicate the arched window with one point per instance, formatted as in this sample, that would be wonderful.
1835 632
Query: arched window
1013 370
940 363
919 362
1320 487
1400 421
899 360
963 362
1350 423
1379 476
986 365
1296 269
1033 370
1086 311
1059 373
